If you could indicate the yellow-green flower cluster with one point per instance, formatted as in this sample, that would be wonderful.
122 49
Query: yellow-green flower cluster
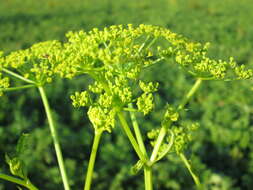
145 102
171 115
36 63
4 81
114 57
103 99
80 99
183 135
118 50
100 118
222 70
152 135
149 87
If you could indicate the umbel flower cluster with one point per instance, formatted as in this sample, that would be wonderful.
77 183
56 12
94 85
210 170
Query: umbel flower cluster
114 57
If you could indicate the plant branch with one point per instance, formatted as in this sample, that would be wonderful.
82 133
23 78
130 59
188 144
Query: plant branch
96 141
143 44
147 169
189 94
55 138
17 76
167 148
18 181
159 140
17 88
188 166
131 137
131 109
137 131
163 130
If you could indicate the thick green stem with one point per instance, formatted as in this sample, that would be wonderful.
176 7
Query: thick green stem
17 88
18 181
131 137
89 174
163 130
55 138
148 178
17 76
188 166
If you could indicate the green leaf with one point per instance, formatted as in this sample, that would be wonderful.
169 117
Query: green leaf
23 144
137 167
17 166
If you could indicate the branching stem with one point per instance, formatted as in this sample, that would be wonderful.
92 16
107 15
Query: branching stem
163 130
137 131
131 137
147 169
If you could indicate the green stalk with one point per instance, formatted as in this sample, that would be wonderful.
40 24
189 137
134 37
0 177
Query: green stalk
148 178
17 76
18 181
17 88
143 44
131 137
190 94
158 143
152 42
55 138
96 141
147 170
163 130
137 131
188 166
130 110
169 146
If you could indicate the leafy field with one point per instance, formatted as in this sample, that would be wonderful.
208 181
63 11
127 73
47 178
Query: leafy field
221 152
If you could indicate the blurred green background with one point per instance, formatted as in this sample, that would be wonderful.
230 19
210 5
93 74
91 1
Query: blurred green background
222 150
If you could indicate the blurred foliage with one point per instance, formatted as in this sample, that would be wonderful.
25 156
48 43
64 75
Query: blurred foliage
222 150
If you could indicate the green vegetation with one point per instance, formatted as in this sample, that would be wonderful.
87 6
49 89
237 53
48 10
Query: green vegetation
220 152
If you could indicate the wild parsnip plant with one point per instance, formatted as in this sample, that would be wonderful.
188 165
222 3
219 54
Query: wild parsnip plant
115 58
